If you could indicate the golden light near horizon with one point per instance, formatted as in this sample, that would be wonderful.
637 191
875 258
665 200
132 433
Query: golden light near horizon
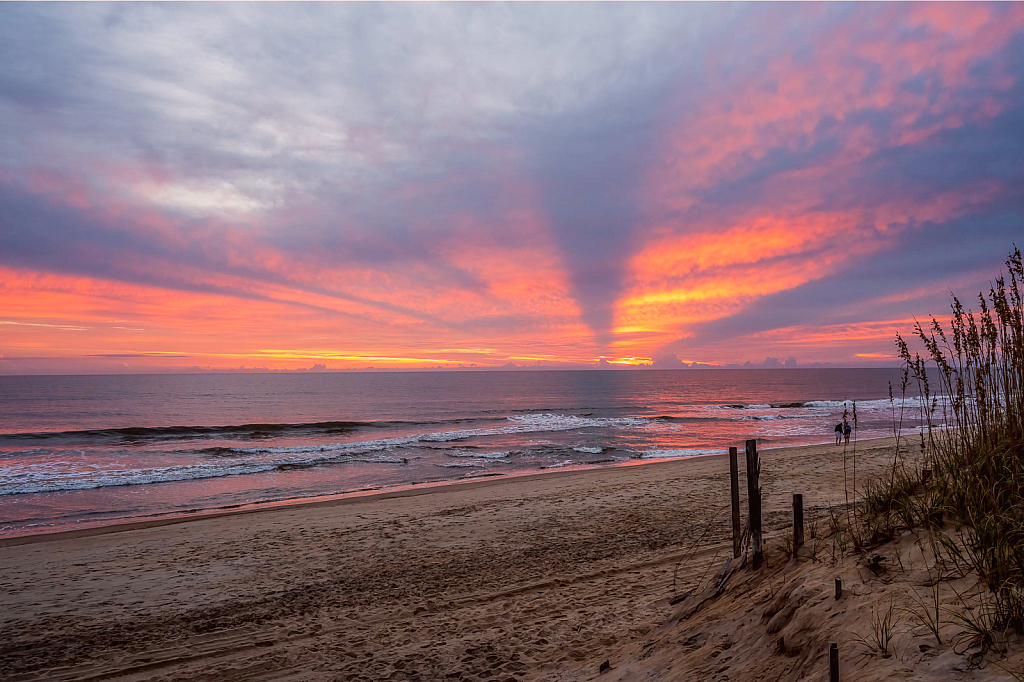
471 212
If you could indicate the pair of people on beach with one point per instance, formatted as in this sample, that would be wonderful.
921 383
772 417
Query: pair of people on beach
843 430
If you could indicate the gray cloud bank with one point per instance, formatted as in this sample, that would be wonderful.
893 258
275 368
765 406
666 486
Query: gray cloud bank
356 134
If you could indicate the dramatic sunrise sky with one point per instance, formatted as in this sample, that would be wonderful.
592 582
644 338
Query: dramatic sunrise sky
404 185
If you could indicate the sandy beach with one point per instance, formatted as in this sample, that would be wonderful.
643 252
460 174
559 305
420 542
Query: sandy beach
408 341
539 577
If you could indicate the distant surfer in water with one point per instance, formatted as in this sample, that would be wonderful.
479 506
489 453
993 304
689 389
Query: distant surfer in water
839 433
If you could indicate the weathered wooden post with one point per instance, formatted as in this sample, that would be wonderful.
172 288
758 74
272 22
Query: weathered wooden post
833 662
798 521
754 501
734 480
839 588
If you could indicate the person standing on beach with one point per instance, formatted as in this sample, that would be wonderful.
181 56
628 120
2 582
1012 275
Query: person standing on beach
846 431
839 433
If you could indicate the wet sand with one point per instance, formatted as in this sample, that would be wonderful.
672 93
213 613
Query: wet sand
526 578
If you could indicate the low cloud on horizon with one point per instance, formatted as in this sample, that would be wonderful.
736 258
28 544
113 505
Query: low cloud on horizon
413 185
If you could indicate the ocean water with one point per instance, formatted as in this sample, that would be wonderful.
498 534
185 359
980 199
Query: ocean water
79 451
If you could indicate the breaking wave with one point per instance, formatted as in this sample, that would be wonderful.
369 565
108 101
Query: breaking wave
54 475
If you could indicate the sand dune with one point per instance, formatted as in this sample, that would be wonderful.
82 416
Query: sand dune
539 577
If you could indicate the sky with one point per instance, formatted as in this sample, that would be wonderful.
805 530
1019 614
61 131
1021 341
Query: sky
409 185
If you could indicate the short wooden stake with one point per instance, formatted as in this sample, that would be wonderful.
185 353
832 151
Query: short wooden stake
754 501
926 475
798 521
839 588
734 481
833 662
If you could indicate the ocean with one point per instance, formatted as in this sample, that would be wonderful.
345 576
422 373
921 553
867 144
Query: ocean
79 451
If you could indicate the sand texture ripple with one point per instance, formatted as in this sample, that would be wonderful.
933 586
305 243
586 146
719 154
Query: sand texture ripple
529 578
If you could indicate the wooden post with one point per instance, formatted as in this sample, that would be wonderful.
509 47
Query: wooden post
754 501
798 521
833 662
839 588
734 480
926 475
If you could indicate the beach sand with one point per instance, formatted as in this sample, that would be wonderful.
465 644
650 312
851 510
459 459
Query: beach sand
539 577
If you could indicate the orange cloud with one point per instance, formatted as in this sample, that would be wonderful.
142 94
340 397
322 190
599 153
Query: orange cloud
761 182
701 261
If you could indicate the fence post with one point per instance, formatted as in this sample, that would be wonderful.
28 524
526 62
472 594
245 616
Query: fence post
754 500
798 521
734 481
833 662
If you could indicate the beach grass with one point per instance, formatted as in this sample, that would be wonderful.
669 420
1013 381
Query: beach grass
967 486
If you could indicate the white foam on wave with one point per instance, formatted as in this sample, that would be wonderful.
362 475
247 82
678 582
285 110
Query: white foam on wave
775 417
661 426
504 454
58 475
55 475
686 452
909 403
559 465
876 404
529 423
51 479
590 451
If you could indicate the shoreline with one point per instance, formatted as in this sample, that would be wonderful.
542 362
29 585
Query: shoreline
363 496
334 499
535 576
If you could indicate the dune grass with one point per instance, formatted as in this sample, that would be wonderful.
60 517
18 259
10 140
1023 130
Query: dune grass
971 379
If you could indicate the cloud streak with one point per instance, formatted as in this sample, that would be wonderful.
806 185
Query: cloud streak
570 182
